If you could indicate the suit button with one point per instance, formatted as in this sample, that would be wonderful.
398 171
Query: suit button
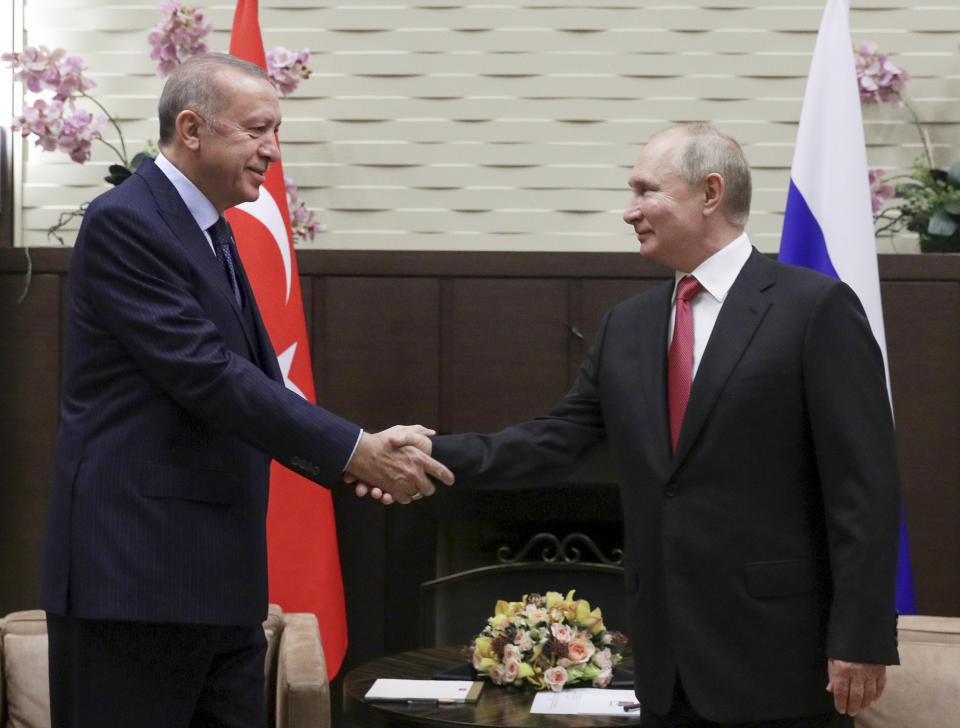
670 490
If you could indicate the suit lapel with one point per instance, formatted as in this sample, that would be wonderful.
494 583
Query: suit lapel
266 357
176 215
741 314
650 358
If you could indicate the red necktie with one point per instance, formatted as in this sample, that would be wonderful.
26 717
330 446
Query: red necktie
680 358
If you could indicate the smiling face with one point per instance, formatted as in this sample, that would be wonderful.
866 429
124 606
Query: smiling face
234 150
666 213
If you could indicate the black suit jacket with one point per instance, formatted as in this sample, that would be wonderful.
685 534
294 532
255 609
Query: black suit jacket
768 541
172 405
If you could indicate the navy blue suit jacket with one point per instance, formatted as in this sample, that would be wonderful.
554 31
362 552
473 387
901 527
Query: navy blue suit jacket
172 406
767 542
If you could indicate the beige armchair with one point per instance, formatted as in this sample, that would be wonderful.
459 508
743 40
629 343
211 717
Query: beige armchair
295 673
924 690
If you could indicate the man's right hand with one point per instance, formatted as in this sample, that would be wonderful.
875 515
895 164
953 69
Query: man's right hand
395 465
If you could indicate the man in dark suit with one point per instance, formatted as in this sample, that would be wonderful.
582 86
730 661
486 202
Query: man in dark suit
761 502
173 405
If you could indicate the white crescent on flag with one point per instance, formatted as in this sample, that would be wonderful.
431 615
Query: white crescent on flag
266 210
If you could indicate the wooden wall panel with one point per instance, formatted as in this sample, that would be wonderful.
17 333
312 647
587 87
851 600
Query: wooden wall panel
923 339
29 400
380 357
505 343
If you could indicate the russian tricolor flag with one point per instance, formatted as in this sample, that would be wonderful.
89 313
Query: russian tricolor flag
828 224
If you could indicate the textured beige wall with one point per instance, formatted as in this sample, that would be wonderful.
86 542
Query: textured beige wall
510 125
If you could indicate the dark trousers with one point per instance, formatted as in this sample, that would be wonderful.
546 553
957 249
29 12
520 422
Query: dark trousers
146 675
682 715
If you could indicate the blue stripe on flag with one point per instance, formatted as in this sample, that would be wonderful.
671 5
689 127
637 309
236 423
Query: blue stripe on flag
802 242
906 599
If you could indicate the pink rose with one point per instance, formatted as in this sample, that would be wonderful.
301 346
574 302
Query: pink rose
603 659
511 669
603 679
511 652
556 678
561 632
536 614
523 641
580 650
497 673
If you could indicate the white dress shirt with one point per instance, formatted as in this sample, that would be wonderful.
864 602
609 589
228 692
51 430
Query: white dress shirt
200 207
716 274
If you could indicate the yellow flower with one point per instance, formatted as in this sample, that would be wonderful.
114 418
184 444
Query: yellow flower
482 645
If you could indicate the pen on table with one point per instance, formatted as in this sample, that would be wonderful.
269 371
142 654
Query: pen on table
630 707
434 701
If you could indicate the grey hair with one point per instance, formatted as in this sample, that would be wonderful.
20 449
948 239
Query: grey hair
195 85
708 150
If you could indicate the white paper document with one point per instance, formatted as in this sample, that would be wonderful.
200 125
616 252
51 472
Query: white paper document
442 691
585 701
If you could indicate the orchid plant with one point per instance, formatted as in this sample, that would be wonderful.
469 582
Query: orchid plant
929 198
59 123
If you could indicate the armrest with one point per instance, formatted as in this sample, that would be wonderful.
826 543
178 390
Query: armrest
303 690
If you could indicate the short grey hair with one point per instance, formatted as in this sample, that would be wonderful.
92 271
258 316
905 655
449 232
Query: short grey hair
195 85
708 150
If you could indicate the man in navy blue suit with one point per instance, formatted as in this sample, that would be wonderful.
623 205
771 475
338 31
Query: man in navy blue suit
173 404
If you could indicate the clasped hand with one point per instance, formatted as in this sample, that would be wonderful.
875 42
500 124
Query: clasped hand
395 465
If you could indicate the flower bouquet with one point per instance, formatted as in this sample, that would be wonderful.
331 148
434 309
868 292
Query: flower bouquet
547 641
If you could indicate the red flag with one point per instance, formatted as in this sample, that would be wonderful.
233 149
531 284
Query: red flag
301 534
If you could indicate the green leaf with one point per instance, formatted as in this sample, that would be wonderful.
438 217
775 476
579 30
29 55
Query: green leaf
953 175
942 224
138 158
953 207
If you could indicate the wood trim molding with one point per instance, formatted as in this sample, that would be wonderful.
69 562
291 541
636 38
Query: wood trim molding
404 263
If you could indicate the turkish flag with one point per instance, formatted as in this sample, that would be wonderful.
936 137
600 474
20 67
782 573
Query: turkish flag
301 533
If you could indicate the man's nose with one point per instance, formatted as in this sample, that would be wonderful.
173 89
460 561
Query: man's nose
632 213
271 148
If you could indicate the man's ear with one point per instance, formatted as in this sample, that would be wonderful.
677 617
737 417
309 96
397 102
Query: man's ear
713 191
188 129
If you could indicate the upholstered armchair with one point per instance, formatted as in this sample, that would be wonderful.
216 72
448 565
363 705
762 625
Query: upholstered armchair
295 674
924 690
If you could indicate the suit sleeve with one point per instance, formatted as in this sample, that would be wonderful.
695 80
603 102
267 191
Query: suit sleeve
141 287
852 429
542 448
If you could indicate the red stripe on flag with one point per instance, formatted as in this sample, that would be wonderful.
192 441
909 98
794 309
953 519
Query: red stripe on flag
303 557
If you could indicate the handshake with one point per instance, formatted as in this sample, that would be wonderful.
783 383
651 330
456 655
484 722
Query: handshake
395 465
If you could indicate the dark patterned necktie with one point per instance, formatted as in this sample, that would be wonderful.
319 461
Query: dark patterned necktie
220 236
680 358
